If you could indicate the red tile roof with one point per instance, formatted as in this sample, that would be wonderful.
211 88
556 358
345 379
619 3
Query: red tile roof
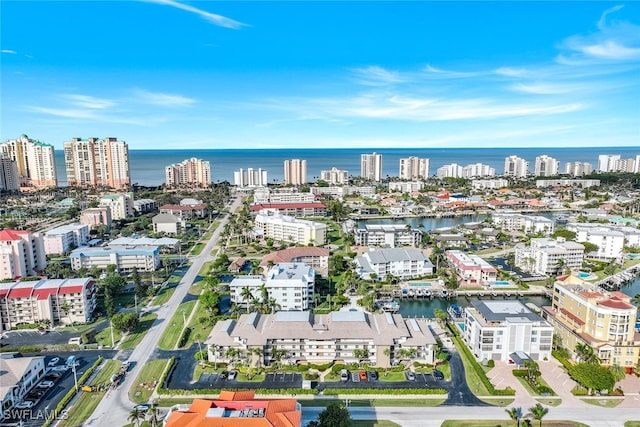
20 292
289 254
572 316
615 303
8 235
590 294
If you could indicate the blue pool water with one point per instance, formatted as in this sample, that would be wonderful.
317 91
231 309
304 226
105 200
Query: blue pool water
421 284
584 275
461 326
501 283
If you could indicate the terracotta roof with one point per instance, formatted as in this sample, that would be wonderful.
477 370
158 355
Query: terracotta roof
20 292
620 295
615 303
314 205
572 316
289 254
11 235
590 294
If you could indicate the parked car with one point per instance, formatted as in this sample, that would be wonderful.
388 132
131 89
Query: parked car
438 375
223 375
373 375
411 376
61 368
363 375
232 375
45 384
25 405
344 375
355 377
142 407
53 362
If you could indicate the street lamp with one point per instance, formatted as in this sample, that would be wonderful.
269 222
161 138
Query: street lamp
184 317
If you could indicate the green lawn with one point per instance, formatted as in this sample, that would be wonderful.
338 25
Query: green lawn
405 403
164 295
206 268
197 249
528 387
81 328
199 370
507 422
392 376
144 384
604 402
198 329
473 380
87 402
632 424
104 337
134 338
174 328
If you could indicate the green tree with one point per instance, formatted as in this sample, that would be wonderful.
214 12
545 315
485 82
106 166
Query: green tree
125 322
335 415
617 372
538 412
441 315
592 376
515 414
210 300
135 416
66 307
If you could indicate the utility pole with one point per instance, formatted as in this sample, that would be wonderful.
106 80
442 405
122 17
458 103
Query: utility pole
113 344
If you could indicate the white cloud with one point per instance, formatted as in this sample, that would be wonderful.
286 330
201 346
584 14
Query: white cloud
440 73
219 20
510 72
603 18
91 102
163 99
9 51
378 76
611 50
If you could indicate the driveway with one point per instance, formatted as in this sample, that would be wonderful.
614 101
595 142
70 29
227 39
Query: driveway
459 393
501 376
556 376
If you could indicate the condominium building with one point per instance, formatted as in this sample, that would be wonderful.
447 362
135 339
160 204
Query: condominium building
516 167
290 285
387 235
121 205
18 375
453 170
316 258
297 210
471 270
267 195
62 239
198 210
295 172
335 176
168 223
625 165
604 321
250 178
609 239
97 163
398 262
21 254
580 183
96 217
406 186
58 301
270 223
125 258
305 337
493 184
507 331
578 168
236 408
477 170
144 205
530 224
35 161
608 162
413 168
549 256
371 166
190 172
9 178
546 166
345 190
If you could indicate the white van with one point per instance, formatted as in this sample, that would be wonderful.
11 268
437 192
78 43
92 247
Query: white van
75 340
344 375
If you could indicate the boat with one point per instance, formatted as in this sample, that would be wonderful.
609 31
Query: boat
455 311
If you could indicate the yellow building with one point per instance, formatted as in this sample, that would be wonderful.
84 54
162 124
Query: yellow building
604 321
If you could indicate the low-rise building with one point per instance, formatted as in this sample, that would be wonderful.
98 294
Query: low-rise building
398 262
125 258
62 239
142 206
168 223
549 256
96 217
505 330
489 184
185 211
262 195
387 235
18 375
610 239
529 224
604 321
121 205
299 337
406 186
64 301
166 244
271 224
316 258
290 285
581 183
21 254
296 210
237 408
346 190
472 270
335 176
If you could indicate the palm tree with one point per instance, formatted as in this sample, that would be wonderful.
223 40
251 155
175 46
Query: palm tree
538 412
247 296
66 307
515 414
154 417
135 416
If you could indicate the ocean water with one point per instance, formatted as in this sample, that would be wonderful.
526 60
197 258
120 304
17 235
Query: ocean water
147 166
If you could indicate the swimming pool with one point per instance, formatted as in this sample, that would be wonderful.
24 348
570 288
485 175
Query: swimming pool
584 274
499 283
421 284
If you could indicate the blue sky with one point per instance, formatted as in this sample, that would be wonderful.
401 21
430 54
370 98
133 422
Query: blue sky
215 74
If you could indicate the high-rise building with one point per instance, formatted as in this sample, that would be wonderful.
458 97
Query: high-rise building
607 162
35 161
477 170
578 169
516 167
193 172
546 166
295 172
371 166
335 176
9 180
21 254
97 162
636 168
413 168
250 178
625 165
449 171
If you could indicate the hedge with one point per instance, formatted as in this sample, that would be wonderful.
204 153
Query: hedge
292 391
72 392
166 373
322 367
400 391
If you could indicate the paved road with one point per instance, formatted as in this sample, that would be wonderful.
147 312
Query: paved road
114 409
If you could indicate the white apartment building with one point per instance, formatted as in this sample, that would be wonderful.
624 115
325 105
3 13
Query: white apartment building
413 168
625 165
610 239
35 161
316 258
60 301
290 284
489 184
62 239
96 217
637 164
125 258
530 224
399 262
269 223
335 176
144 205
472 270
97 163
168 223
608 162
21 254
250 177
190 172
547 256
18 375
265 195
323 338
546 166
346 190
578 168
516 167
507 331
453 170
295 172
477 170
371 166
387 235
406 186
9 178
121 205
581 183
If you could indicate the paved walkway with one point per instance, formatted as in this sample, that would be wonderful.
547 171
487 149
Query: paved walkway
501 376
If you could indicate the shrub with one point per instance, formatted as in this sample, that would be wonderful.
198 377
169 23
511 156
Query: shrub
184 337
491 363
337 368
88 336
322 367
335 391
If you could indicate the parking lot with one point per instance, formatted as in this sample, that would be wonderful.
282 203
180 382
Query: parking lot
271 381
422 380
